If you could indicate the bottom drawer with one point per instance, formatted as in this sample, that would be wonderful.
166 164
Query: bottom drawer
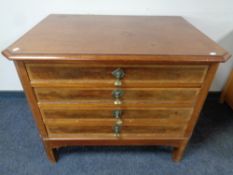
107 127
71 121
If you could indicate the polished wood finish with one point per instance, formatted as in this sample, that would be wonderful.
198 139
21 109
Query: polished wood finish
227 93
104 96
98 75
75 112
20 67
109 38
179 151
59 142
201 99
66 62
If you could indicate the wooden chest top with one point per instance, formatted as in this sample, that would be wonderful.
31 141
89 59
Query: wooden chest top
128 38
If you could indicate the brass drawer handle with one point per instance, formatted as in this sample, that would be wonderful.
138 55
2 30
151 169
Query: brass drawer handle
117 94
118 74
119 122
117 82
117 127
117 114
117 102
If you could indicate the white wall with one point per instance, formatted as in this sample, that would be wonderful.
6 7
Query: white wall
213 17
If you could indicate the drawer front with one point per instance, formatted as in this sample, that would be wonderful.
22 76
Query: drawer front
127 96
171 114
159 122
133 127
133 75
107 131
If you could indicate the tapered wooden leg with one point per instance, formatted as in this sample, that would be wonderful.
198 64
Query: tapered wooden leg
179 151
51 152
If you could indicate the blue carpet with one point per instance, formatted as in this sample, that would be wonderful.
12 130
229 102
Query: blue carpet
210 151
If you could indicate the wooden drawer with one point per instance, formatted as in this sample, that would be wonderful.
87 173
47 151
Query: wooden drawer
53 75
157 122
74 112
105 127
129 96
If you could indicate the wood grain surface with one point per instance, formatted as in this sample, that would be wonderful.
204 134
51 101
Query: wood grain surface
65 64
89 37
104 95
76 75
179 114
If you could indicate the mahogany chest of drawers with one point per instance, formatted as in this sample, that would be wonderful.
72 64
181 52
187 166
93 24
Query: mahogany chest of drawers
115 80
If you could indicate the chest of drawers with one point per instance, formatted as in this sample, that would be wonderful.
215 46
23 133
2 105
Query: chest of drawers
115 80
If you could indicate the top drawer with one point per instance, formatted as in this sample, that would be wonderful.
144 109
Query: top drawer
101 75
